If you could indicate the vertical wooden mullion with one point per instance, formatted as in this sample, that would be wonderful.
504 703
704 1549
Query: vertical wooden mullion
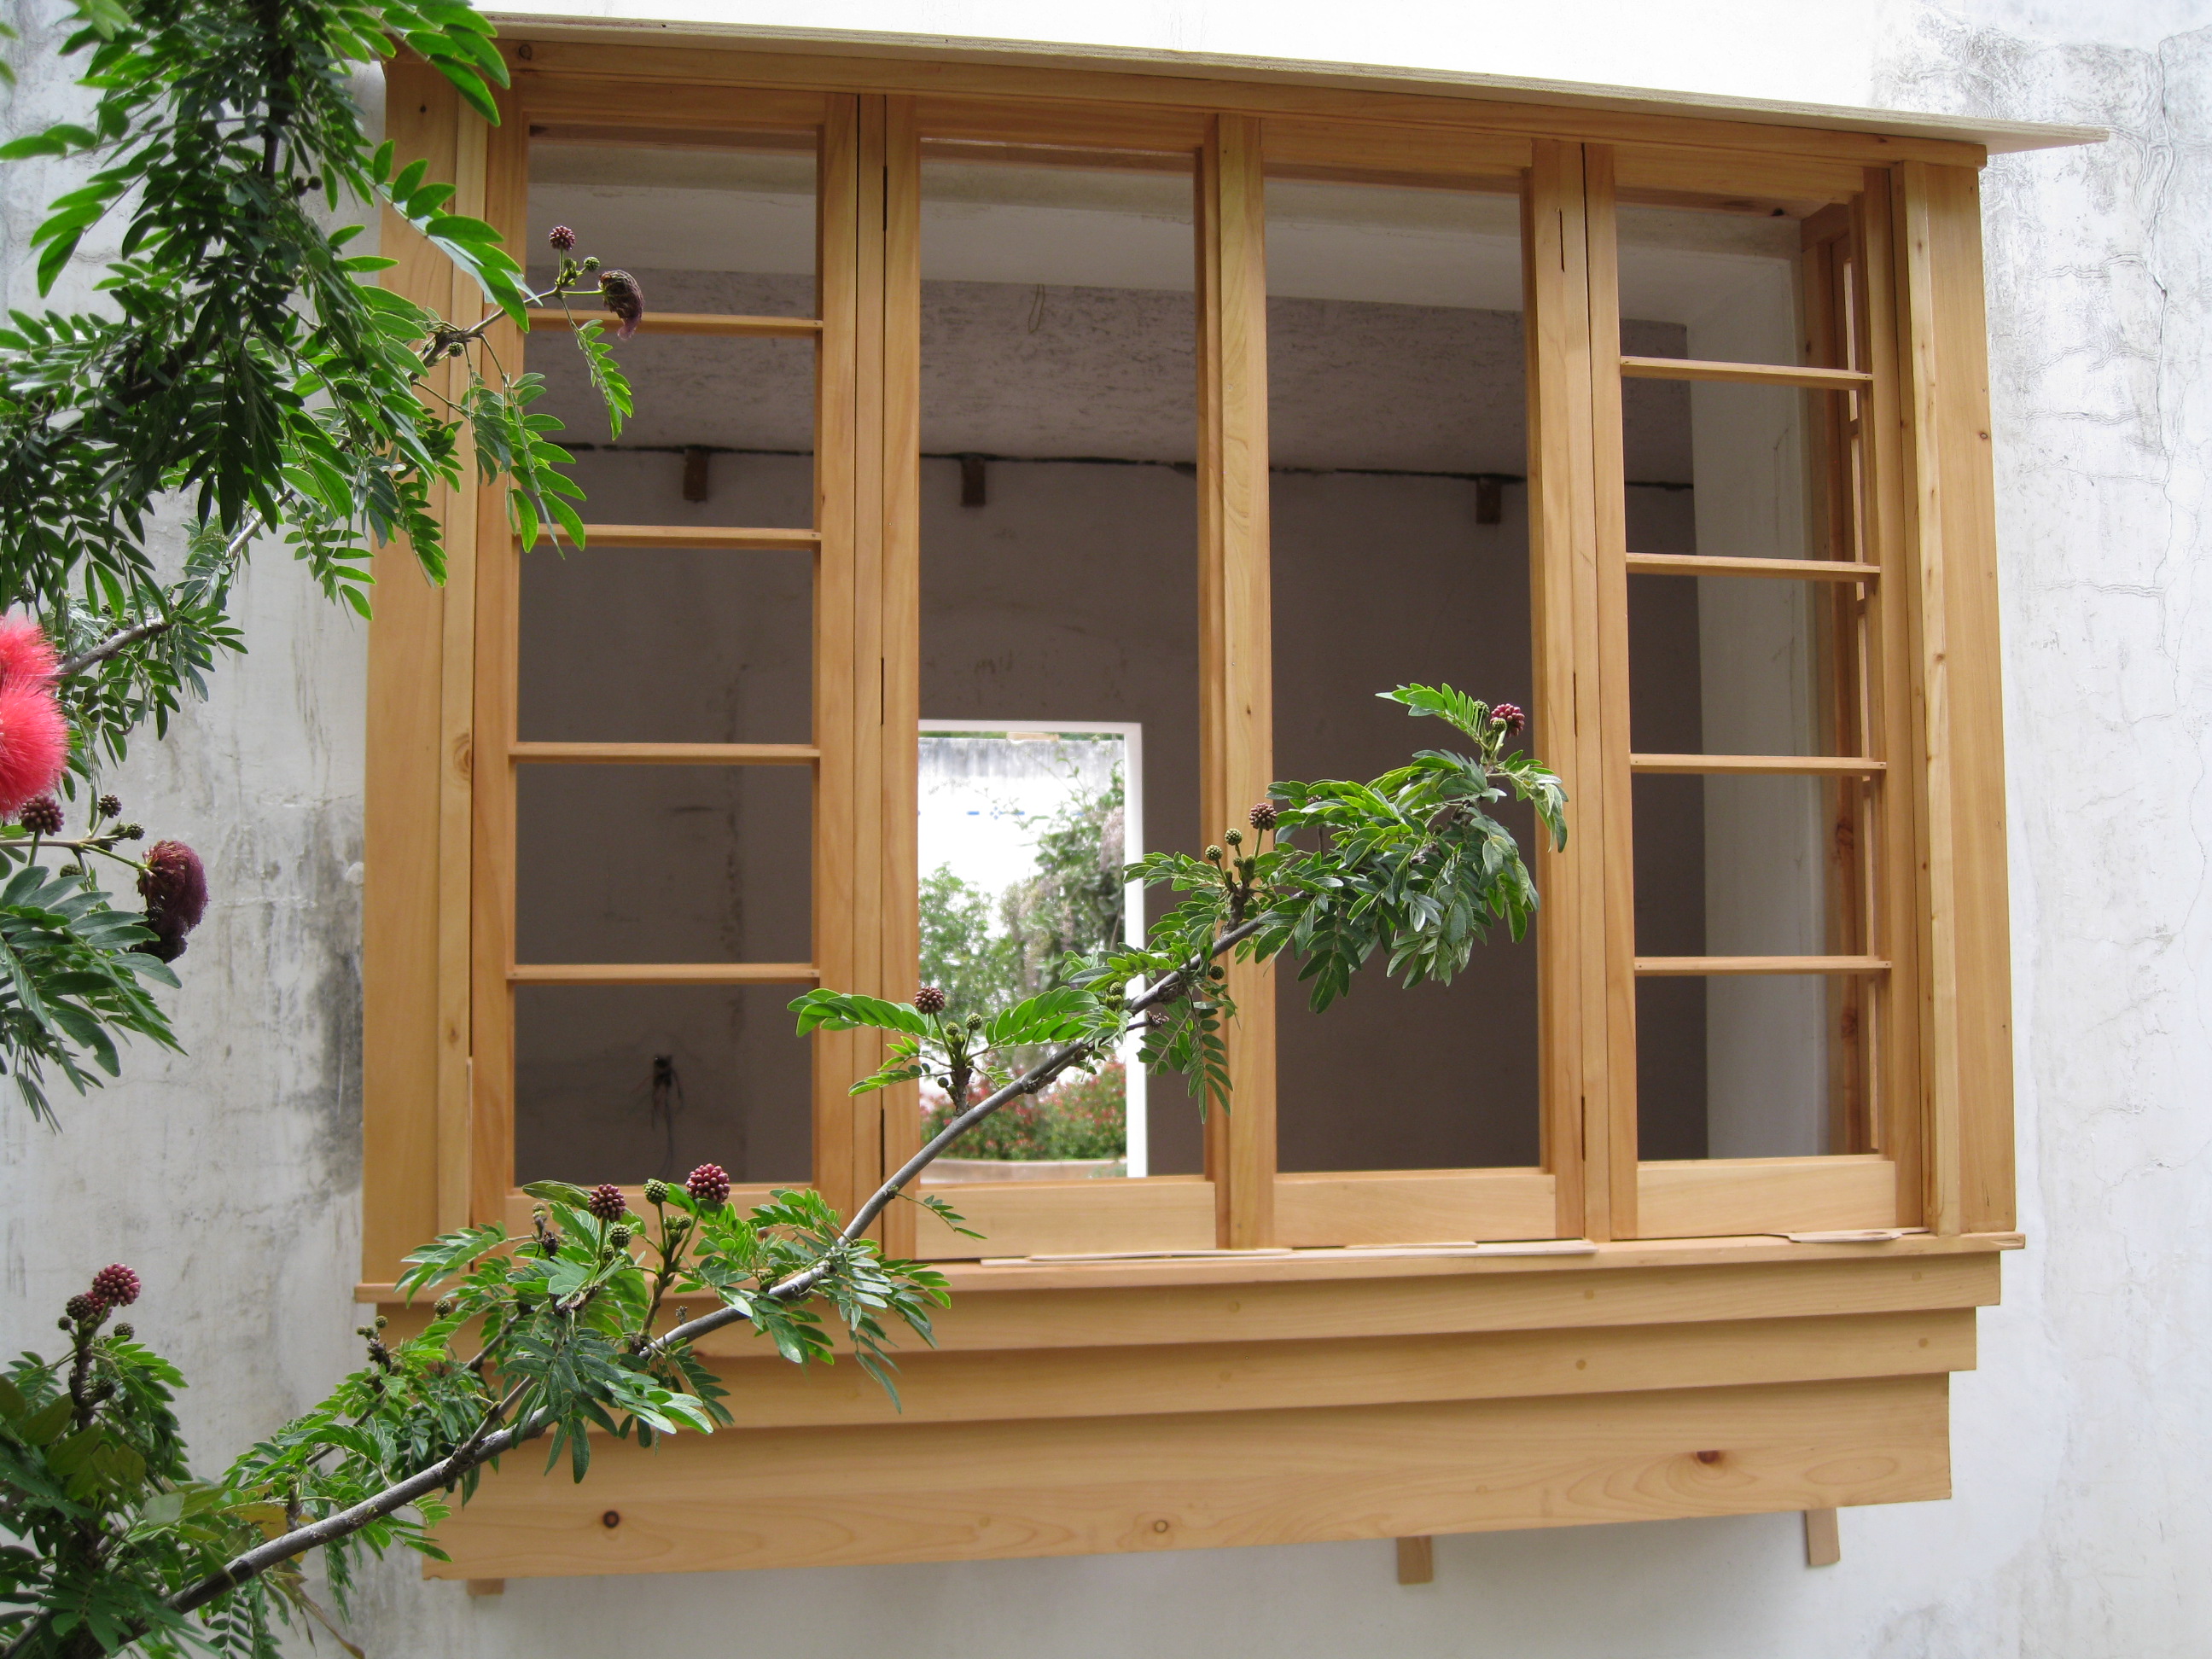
1564 576
405 1121
489 1072
898 908
1966 996
1899 886
1605 749
840 851
1235 739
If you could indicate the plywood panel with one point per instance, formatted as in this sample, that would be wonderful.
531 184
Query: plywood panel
1088 1485
1414 1206
1714 1197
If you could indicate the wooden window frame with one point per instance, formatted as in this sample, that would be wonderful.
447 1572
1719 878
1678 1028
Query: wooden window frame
1647 1254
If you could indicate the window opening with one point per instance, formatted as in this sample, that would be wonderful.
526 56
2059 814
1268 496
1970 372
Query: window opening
1059 513
1024 834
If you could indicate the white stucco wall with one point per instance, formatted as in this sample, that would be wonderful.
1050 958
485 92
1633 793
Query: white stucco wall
2081 1527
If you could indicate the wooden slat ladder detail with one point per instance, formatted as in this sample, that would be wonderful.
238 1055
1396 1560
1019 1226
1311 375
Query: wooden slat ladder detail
1417 1559
1824 1543
693 323
1690 368
1707 564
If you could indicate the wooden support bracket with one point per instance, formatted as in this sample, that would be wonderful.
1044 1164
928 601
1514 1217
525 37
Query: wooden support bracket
1824 1544
1417 1559
487 1586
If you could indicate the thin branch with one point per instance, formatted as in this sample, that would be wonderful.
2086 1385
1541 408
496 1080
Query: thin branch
121 639
447 1470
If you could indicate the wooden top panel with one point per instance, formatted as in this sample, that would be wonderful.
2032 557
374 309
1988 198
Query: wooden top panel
849 61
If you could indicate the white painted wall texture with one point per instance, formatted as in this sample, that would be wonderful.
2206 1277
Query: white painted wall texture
2081 1526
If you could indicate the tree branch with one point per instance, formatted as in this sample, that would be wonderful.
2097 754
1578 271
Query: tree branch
121 639
483 1447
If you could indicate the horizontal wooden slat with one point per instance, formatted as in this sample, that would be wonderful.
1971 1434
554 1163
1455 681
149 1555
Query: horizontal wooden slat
736 538
689 322
1707 965
1811 570
1003 1308
768 1392
1324 149
1690 368
663 973
1777 765
1056 1217
1400 1206
931 1492
1765 1195
1063 127
1724 176
665 754
672 106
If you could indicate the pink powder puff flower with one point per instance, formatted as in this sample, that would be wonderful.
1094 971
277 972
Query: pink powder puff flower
26 655
34 741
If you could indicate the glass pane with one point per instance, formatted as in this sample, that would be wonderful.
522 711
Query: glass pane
723 432
724 427
666 645
1059 514
1755 866
1753 1065
1397 421
1730 666
1730 281
623 1083
663 863
723 227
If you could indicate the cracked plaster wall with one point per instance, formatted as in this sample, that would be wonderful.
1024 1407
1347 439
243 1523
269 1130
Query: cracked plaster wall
2080 1525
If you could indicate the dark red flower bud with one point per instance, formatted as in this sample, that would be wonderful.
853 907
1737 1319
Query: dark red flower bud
620 294
116 1285
175 887
41 815
1263 816
110 807
1509 716
929 999
607 1203
560 240
81 1307
708 1184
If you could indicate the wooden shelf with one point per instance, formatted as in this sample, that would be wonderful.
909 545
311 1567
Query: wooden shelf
1810 570
665 754
1691 368
734 538
1680 966
686 322
662 973
1763 765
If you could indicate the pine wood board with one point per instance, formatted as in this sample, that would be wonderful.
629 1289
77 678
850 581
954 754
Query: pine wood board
964 1492
1396 1206
768 1392
1783 1194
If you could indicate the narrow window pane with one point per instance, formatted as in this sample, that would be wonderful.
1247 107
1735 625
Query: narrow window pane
666 645
723 431
1396 415
623 1083
1059 514
663 864
1754 1065
1730 279
1734 666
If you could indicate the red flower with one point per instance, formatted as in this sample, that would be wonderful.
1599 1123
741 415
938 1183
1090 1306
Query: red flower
175 887
116 1285
708 1184
26 653
35 739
